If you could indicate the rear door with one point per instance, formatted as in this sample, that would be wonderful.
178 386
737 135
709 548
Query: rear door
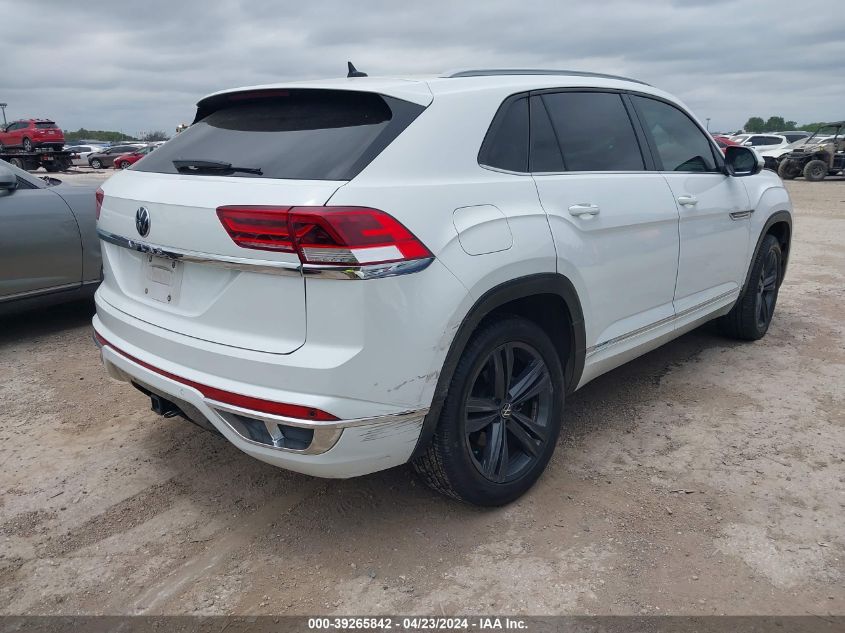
713 207
280 148
614 221
40 245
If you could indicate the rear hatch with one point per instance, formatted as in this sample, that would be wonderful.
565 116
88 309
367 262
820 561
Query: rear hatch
170 262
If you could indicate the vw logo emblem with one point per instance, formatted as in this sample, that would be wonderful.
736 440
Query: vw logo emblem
142 221
506 410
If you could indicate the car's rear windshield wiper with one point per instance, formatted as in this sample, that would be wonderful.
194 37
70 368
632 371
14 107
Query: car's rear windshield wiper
212 167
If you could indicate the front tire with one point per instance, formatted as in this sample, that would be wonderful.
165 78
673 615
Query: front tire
27 145
788 170
815 170
752 314
123 165
501 418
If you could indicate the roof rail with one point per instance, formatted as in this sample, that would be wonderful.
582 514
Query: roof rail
492 72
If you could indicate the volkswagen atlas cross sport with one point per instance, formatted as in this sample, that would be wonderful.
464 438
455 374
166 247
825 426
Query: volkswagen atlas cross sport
347 275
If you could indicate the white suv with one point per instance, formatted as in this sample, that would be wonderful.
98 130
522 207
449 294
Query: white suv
344 276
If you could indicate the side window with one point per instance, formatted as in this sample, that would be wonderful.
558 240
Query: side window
680 144
545 151
594 131
506 144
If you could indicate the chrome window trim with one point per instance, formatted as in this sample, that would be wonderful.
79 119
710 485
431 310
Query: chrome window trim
327 271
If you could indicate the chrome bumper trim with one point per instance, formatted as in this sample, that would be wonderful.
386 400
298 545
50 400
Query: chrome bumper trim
326 434
367 271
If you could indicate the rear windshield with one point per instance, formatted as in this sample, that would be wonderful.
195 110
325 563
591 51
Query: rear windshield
45 125
295 134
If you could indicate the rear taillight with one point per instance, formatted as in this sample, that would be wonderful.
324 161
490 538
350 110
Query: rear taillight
99 201
342 236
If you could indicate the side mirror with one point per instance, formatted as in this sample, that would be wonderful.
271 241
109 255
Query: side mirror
8 178
742 161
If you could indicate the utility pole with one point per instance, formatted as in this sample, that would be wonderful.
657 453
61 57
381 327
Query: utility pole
3 106
708 124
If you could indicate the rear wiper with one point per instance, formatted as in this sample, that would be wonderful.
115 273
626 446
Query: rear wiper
212 167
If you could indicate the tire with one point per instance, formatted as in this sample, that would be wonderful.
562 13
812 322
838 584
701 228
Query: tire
522 422
815 170
788 170
752 314
16 162
27 145
123 165
96 163
52 168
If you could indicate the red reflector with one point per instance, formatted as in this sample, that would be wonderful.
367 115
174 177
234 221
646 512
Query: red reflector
227 397
99 201
323 235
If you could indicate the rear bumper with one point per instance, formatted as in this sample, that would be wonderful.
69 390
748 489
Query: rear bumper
337 449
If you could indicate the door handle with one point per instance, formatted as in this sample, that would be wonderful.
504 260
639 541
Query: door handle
687 201
586 210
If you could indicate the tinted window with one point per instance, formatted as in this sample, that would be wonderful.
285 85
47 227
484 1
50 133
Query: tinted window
45 125
545 151
506 143
680 143
769 140
301 134
594 131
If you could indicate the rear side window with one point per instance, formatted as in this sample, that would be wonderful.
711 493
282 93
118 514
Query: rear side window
545 150
506 143
291 134
594 131
681 145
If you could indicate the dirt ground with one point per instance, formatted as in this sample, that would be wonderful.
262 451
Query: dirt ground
704 478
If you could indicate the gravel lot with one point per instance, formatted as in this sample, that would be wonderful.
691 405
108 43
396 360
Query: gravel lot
706 477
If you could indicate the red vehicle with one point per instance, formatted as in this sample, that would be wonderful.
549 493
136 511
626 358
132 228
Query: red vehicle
130 158
31 133
723 142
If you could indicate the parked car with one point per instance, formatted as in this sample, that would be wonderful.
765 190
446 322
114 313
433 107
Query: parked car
761 142
81 153
28 134
124 161
724 142
105 158
466 265
49 251
793 136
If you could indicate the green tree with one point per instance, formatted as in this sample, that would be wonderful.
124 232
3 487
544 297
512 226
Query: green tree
95 135
775 124
155 135
755 124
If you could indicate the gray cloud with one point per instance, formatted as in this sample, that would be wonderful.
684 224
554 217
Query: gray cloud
143 65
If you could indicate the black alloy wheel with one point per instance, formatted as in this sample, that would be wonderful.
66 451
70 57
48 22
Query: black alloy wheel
767 288
506 413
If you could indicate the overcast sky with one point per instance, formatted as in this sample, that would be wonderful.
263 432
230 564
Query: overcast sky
142 65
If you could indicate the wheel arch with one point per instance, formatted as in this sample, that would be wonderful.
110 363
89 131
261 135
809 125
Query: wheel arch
778 224
549 300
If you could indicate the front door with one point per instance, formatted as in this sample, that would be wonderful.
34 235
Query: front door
713 207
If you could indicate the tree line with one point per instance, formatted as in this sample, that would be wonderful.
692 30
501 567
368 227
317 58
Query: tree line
109 136
758 124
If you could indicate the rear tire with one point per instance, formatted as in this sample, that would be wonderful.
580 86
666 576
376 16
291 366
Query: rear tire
788 170
752 314
96 163
16 162
815 170
501 418
123 165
